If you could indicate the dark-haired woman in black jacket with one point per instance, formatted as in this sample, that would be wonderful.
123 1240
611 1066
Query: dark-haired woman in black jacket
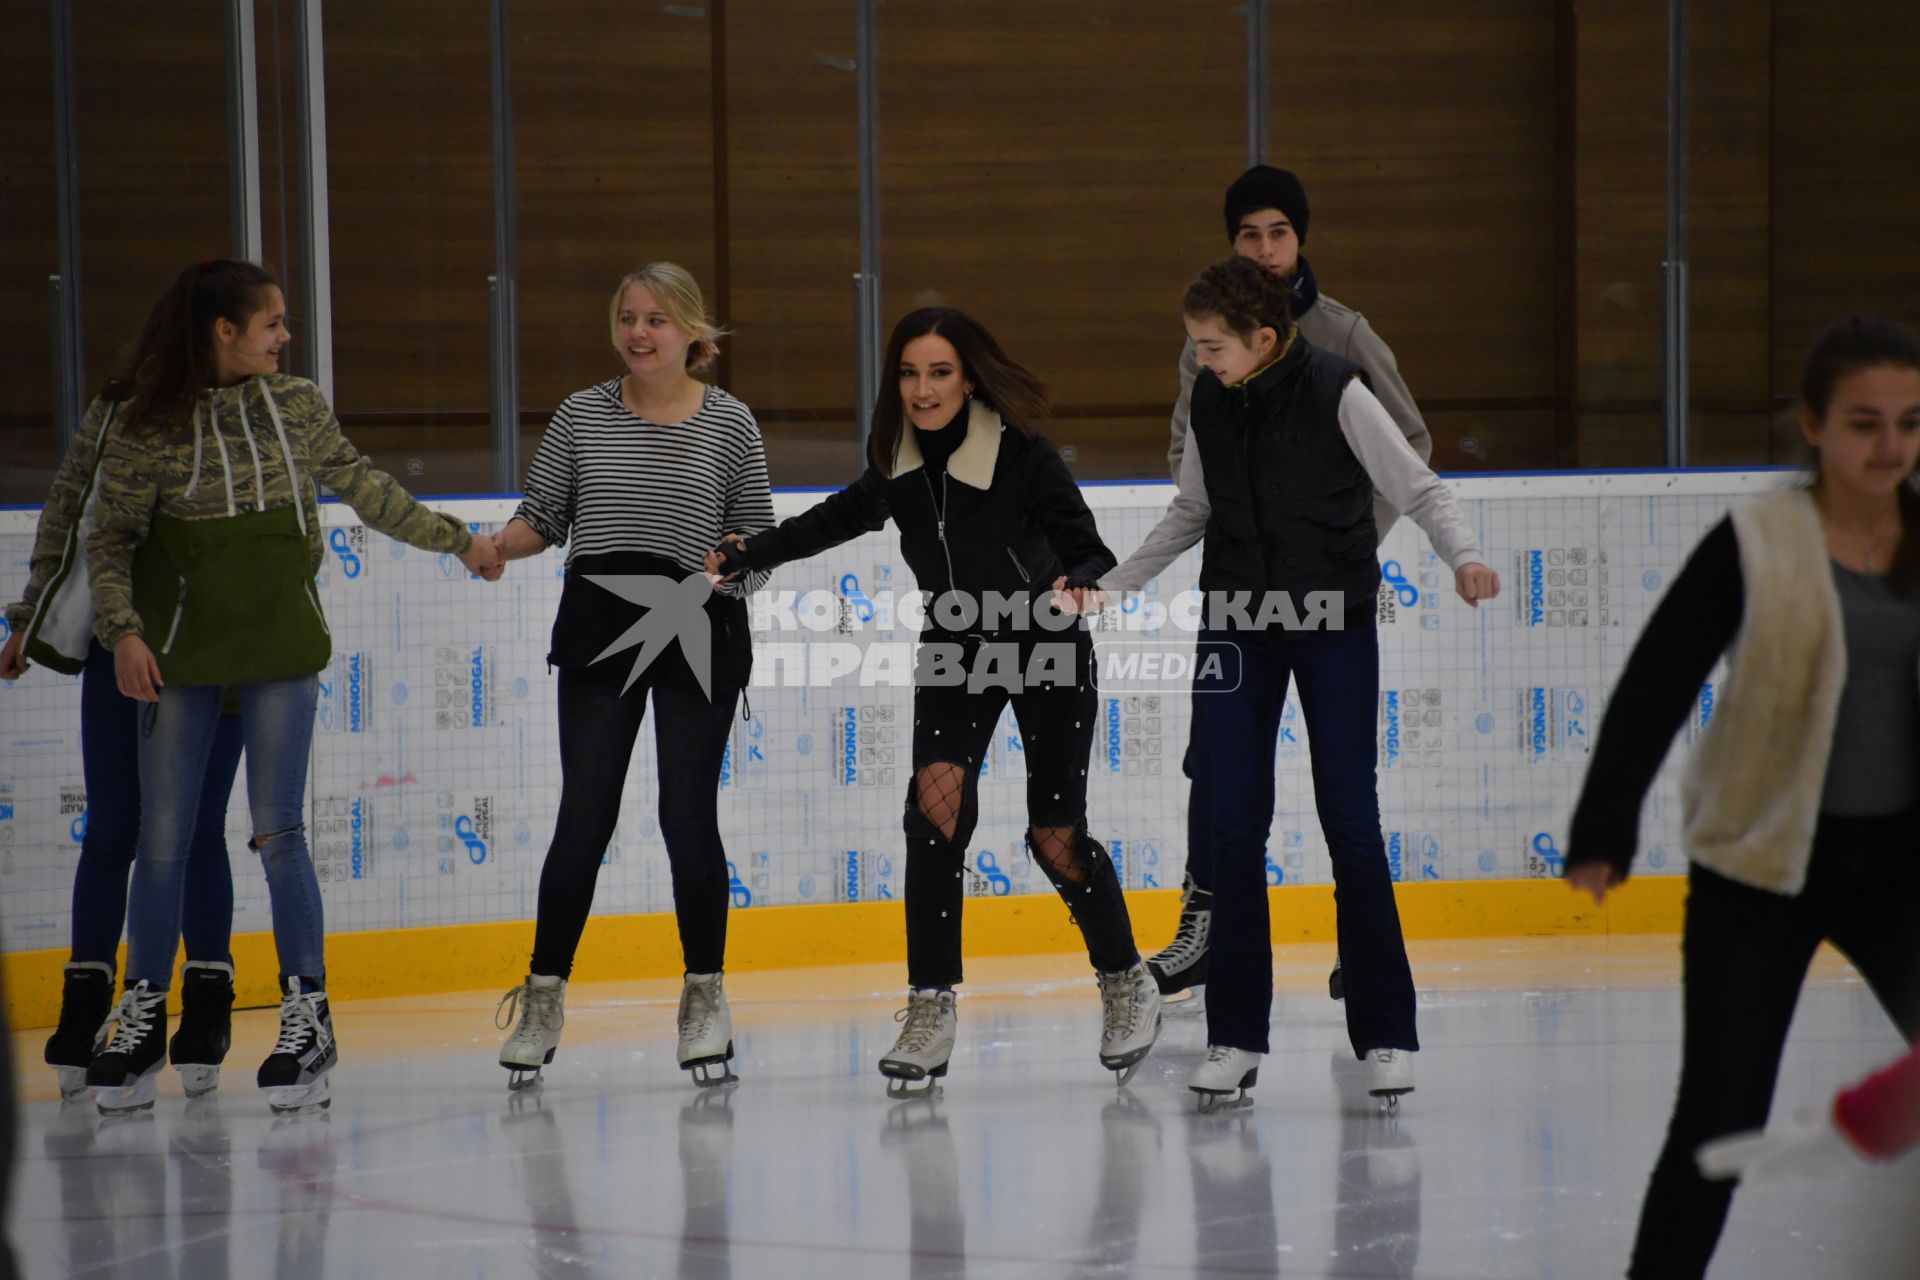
993 526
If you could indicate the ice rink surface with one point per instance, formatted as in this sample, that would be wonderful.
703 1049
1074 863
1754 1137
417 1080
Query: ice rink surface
1543 1091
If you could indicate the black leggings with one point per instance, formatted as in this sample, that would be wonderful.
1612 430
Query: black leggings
598 727
952 726
1746 953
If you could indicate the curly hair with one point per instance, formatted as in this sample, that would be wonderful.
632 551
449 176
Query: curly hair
1244 295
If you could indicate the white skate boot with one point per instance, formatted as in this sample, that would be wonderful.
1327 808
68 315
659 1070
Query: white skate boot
706 1031
1130 1001
924 1046
1224 1078
1389 1074
541 1002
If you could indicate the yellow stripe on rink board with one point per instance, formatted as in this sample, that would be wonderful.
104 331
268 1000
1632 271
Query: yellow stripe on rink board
396 962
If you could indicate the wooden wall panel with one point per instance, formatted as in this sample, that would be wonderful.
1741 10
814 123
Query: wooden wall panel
29 253
1057 169
793 225
1424 136
1846 188
410 162
151 127
613 126
1729 309
1620 240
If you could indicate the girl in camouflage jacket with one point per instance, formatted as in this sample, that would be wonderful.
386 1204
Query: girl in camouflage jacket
203 547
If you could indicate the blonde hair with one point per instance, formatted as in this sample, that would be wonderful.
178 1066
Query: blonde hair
678 294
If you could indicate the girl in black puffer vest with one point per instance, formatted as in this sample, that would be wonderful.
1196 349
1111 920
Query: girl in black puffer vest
1288 447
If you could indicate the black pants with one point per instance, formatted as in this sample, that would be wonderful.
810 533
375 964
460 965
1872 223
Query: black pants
1746 953
598 727
953 724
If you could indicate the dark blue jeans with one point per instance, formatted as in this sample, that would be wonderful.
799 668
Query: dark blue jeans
1338 673
110 760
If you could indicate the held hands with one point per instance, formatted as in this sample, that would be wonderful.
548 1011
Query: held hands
13 663
1082 598
1476 582
136 670
727 563
483 558
1595 878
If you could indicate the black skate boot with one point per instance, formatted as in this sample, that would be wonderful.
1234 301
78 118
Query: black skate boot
206 1025
1184 962
86 998
124 1075
296 1074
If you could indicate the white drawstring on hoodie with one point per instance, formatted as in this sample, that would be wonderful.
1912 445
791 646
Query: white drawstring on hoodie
226 467
253 448
286 451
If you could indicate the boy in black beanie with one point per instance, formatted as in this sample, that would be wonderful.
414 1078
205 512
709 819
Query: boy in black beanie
1266 215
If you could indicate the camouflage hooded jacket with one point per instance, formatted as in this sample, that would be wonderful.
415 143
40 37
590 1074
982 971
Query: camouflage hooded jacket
261 445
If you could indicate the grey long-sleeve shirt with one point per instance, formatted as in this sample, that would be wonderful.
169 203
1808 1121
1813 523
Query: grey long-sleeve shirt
1399 474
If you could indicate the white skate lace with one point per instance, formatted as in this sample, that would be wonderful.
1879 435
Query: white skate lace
697 1010
300 1022
1120 996
536 1005
922 1016
1220 1053
133 1019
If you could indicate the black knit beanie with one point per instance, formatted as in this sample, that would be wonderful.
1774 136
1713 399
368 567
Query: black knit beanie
1265 187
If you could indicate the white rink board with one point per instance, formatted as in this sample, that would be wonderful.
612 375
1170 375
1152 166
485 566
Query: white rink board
435 775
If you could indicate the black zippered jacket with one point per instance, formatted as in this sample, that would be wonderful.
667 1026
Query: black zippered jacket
1005 516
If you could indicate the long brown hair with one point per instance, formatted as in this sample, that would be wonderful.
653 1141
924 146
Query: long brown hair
172 359
1008 389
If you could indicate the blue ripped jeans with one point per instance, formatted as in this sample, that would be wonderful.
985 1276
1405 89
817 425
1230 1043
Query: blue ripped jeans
176 746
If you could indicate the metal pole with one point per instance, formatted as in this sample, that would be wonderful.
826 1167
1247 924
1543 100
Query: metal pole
316 275
1677 393
866 285
69 402
246 242
1256 82
504 323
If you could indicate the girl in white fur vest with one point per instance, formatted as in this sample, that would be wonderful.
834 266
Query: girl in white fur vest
1799 803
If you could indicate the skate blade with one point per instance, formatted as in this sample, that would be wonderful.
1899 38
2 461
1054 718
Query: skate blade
124 1099
702 1069
198 1079
1389 1099
916 1088
293 1099
705 1075
521 1075
73 1083
1191 1003
1212 1100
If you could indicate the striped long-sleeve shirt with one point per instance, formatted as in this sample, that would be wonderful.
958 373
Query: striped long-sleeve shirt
606 480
